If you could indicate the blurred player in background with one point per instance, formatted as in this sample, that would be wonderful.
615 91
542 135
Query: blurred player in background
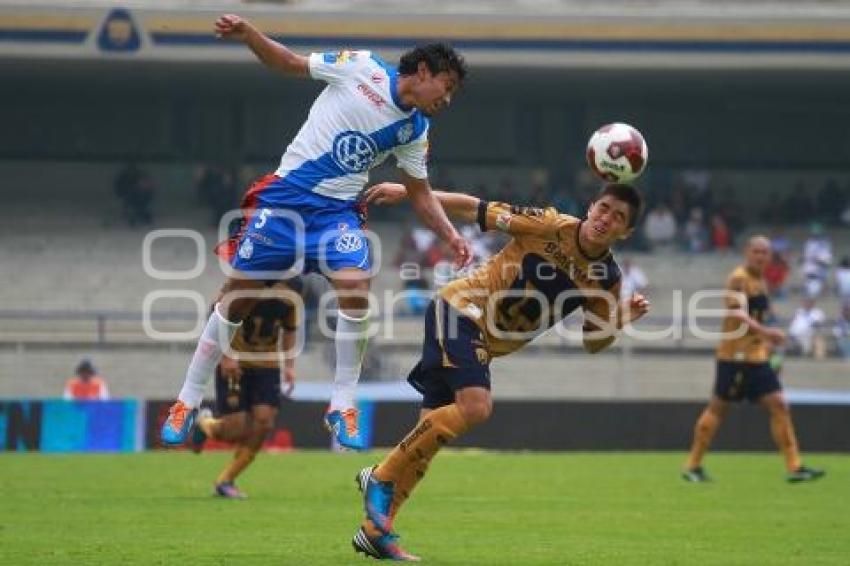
744 370
554 264
368 111
248 391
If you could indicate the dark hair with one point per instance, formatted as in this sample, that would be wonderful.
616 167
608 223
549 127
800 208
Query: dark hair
629 195
86 366
438 57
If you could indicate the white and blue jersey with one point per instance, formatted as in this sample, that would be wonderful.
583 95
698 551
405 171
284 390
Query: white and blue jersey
354 125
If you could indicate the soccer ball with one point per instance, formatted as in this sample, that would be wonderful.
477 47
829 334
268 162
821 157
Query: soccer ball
617 153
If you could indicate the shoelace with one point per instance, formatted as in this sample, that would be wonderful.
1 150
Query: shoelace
178 415
350 418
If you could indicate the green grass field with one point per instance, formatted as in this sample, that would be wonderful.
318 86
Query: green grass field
474 508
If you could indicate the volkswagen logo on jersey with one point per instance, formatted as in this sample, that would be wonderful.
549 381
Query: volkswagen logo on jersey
348 242
246 250
354 152
404 133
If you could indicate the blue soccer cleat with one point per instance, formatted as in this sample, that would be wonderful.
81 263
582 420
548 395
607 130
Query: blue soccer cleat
176 427
377 499
343 426
384 547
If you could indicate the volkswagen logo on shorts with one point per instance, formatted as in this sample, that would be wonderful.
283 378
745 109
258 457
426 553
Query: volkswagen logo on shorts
354 152
348 242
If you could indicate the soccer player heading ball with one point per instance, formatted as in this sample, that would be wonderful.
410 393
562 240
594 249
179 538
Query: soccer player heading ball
368 111
554 264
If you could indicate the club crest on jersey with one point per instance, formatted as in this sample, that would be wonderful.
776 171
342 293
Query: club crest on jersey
354 152
503 221
404 133
348 242
246 250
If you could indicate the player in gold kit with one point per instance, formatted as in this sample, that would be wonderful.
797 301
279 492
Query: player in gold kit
554 264
743 368
250 381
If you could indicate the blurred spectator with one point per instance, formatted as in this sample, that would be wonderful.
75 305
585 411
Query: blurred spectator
135 189
660 226
633 279
798 206
479 241
721 238
86 384
696 232
841 331
829 203
804 330
679 204
775 274
842 280
566 203
417 247
817 257
417 294
216 190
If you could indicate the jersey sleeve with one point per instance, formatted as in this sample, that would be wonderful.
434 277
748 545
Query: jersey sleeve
519 220
735 285
335 68
412 157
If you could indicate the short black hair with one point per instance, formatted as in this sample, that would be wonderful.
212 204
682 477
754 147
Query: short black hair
629 195
439 57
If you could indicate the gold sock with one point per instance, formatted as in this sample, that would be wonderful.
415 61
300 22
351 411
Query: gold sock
407 463
242 458
704 432
782 430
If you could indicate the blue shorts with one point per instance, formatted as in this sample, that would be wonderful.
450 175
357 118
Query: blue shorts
454 356
294 229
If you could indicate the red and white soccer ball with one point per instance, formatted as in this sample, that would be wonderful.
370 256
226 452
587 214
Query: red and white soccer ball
617 153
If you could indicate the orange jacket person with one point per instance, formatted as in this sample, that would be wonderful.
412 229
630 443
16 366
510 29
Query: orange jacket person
86 385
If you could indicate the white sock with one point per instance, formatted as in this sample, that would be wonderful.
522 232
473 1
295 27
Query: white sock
218 333
351 339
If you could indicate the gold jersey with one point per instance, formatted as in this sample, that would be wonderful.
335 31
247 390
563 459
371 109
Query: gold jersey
536 280
261 329
751 347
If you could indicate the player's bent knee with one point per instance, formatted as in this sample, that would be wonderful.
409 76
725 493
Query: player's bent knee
477 411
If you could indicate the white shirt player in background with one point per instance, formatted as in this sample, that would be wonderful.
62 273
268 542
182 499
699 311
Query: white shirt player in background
368 111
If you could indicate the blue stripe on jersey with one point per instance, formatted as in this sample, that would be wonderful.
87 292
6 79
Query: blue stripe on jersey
389 137
311 173
392 73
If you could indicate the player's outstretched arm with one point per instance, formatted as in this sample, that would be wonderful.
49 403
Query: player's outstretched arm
270 52
601 333
429 208
775 335
457 205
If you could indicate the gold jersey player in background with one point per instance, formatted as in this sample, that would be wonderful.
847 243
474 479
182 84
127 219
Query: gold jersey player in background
248 385
743 368
554 264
